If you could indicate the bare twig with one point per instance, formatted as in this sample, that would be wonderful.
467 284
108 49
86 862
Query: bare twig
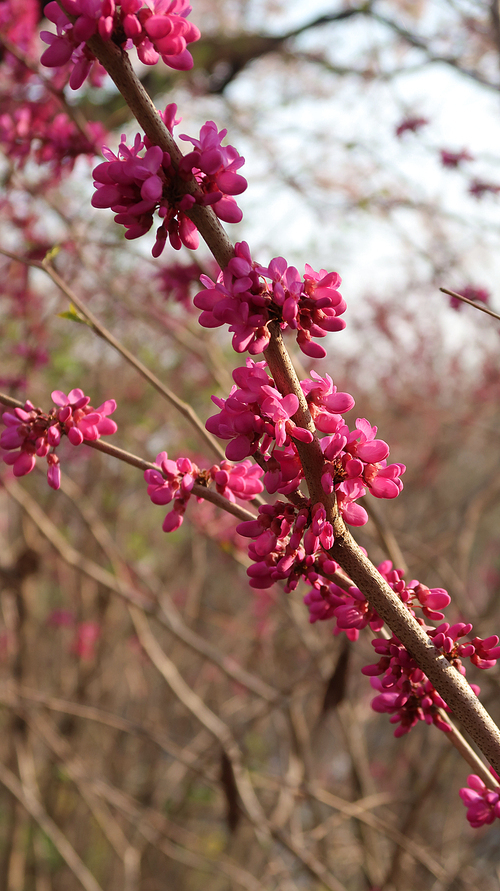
31 803
182 407
480 306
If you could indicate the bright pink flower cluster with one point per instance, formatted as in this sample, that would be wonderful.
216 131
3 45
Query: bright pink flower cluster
351 610
30 433
243 299
288 544
156 28
405 691
136 184
174 481
256 416
18 23
482 803
214 167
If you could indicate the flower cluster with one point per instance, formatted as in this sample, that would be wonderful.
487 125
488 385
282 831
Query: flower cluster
156 28
482 803
288 544
174 481
18 22
247 296
405 691
256 417
30 433
352 612
141 180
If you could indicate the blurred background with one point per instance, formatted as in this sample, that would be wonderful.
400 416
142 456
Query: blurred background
143 684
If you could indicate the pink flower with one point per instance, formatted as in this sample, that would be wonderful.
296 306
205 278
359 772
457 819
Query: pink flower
280 410
174 481
242 299
479 188
80 420
30 433
482 803
405 692
214 167
136 186
238 481
175 281
160 29
486 652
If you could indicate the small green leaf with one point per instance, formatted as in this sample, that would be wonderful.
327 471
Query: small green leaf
53 252
73 315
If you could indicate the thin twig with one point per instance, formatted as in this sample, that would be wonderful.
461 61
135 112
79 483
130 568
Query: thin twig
58 839
480 306
134 596
182 407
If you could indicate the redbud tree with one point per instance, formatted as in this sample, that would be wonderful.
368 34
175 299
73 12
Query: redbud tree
281 474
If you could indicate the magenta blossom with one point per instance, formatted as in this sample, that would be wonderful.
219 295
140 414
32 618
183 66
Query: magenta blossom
173 481
140 181
30 433
86 637
158 28
214 167
482 803
243 299
287 544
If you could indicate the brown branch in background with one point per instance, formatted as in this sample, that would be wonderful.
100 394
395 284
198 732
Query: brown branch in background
132 595
140 818
33 806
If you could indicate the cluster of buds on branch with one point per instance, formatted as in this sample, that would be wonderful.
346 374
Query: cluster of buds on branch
32 434
135 185
157 29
